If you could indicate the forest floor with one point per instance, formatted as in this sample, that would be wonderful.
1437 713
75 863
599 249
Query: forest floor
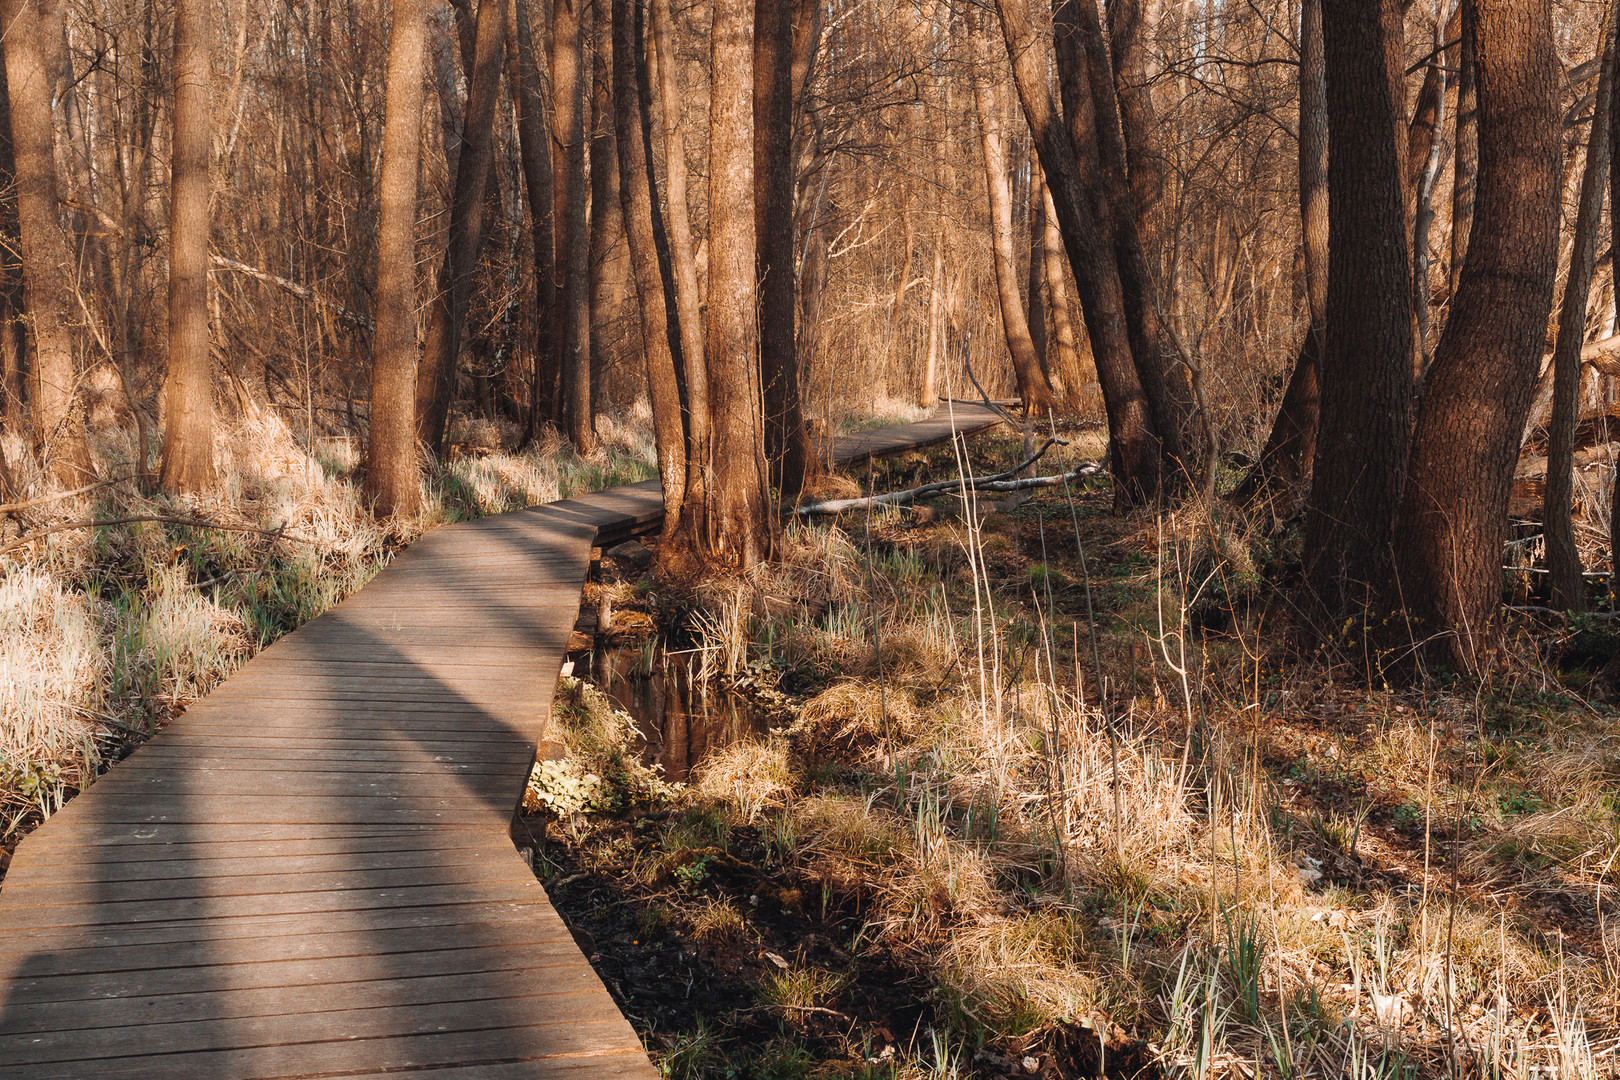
949 857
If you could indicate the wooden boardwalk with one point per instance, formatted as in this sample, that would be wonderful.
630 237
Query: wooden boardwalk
309 872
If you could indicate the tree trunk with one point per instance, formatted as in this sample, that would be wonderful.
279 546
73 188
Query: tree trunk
1063 350
635 192
1033 389
936 284
1563 559
188 420
1136 444
436 375
1465 159
1129 23
1087 86
607 219
737 525
571 355
1366 373
393 482
1035 277
683 260
1285 463
58 425
534 148
1448 548
13 336
787 444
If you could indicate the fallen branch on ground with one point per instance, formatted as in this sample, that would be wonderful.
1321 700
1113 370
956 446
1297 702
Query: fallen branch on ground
68 526
11 508
1001 482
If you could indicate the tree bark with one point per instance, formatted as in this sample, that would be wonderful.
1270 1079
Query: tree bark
1129 24
58 425
1035 275
523 77
635 191
1465 159
683 260
393 481
737 525
1366 373
570 347
1563 559
188 420
1063 353
1448 547
787 444
1285 462
1137 447
1033 389
13 337
436 374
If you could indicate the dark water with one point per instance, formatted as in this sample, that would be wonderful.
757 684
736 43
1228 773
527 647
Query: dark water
680 719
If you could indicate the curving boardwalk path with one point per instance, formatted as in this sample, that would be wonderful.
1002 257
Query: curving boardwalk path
309 873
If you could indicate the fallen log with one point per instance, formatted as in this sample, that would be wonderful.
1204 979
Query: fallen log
996 484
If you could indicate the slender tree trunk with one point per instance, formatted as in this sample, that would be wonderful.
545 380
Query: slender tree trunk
930 395
436 375
787 443
1448 547
1366 374
683 260
523 77
1035 277
607 215
1063 350
13 337
738 526
1563 559
635 191
1033 389
58 424
188 421
571 363
1136 443
393 481
1285 463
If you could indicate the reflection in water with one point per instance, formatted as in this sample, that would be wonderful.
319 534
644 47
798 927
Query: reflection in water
679 718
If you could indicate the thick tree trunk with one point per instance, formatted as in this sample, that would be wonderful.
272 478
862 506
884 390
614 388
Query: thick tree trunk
1087 85
188 419
737 525
1285 463
570 347
1563 559
1033 389
1035 275
1448 547
523 79
393 481
787 444
1366 374
1137 448
58 425
1129 24
683 261
635 191
436 374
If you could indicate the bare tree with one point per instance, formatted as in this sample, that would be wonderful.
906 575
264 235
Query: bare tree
58 424
534 148
571 346
188 422
393 483
1448 547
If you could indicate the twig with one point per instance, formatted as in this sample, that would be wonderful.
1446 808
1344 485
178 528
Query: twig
11 508
68 526
910 495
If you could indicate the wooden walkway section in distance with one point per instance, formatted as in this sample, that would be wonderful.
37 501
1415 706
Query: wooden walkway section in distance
309 872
